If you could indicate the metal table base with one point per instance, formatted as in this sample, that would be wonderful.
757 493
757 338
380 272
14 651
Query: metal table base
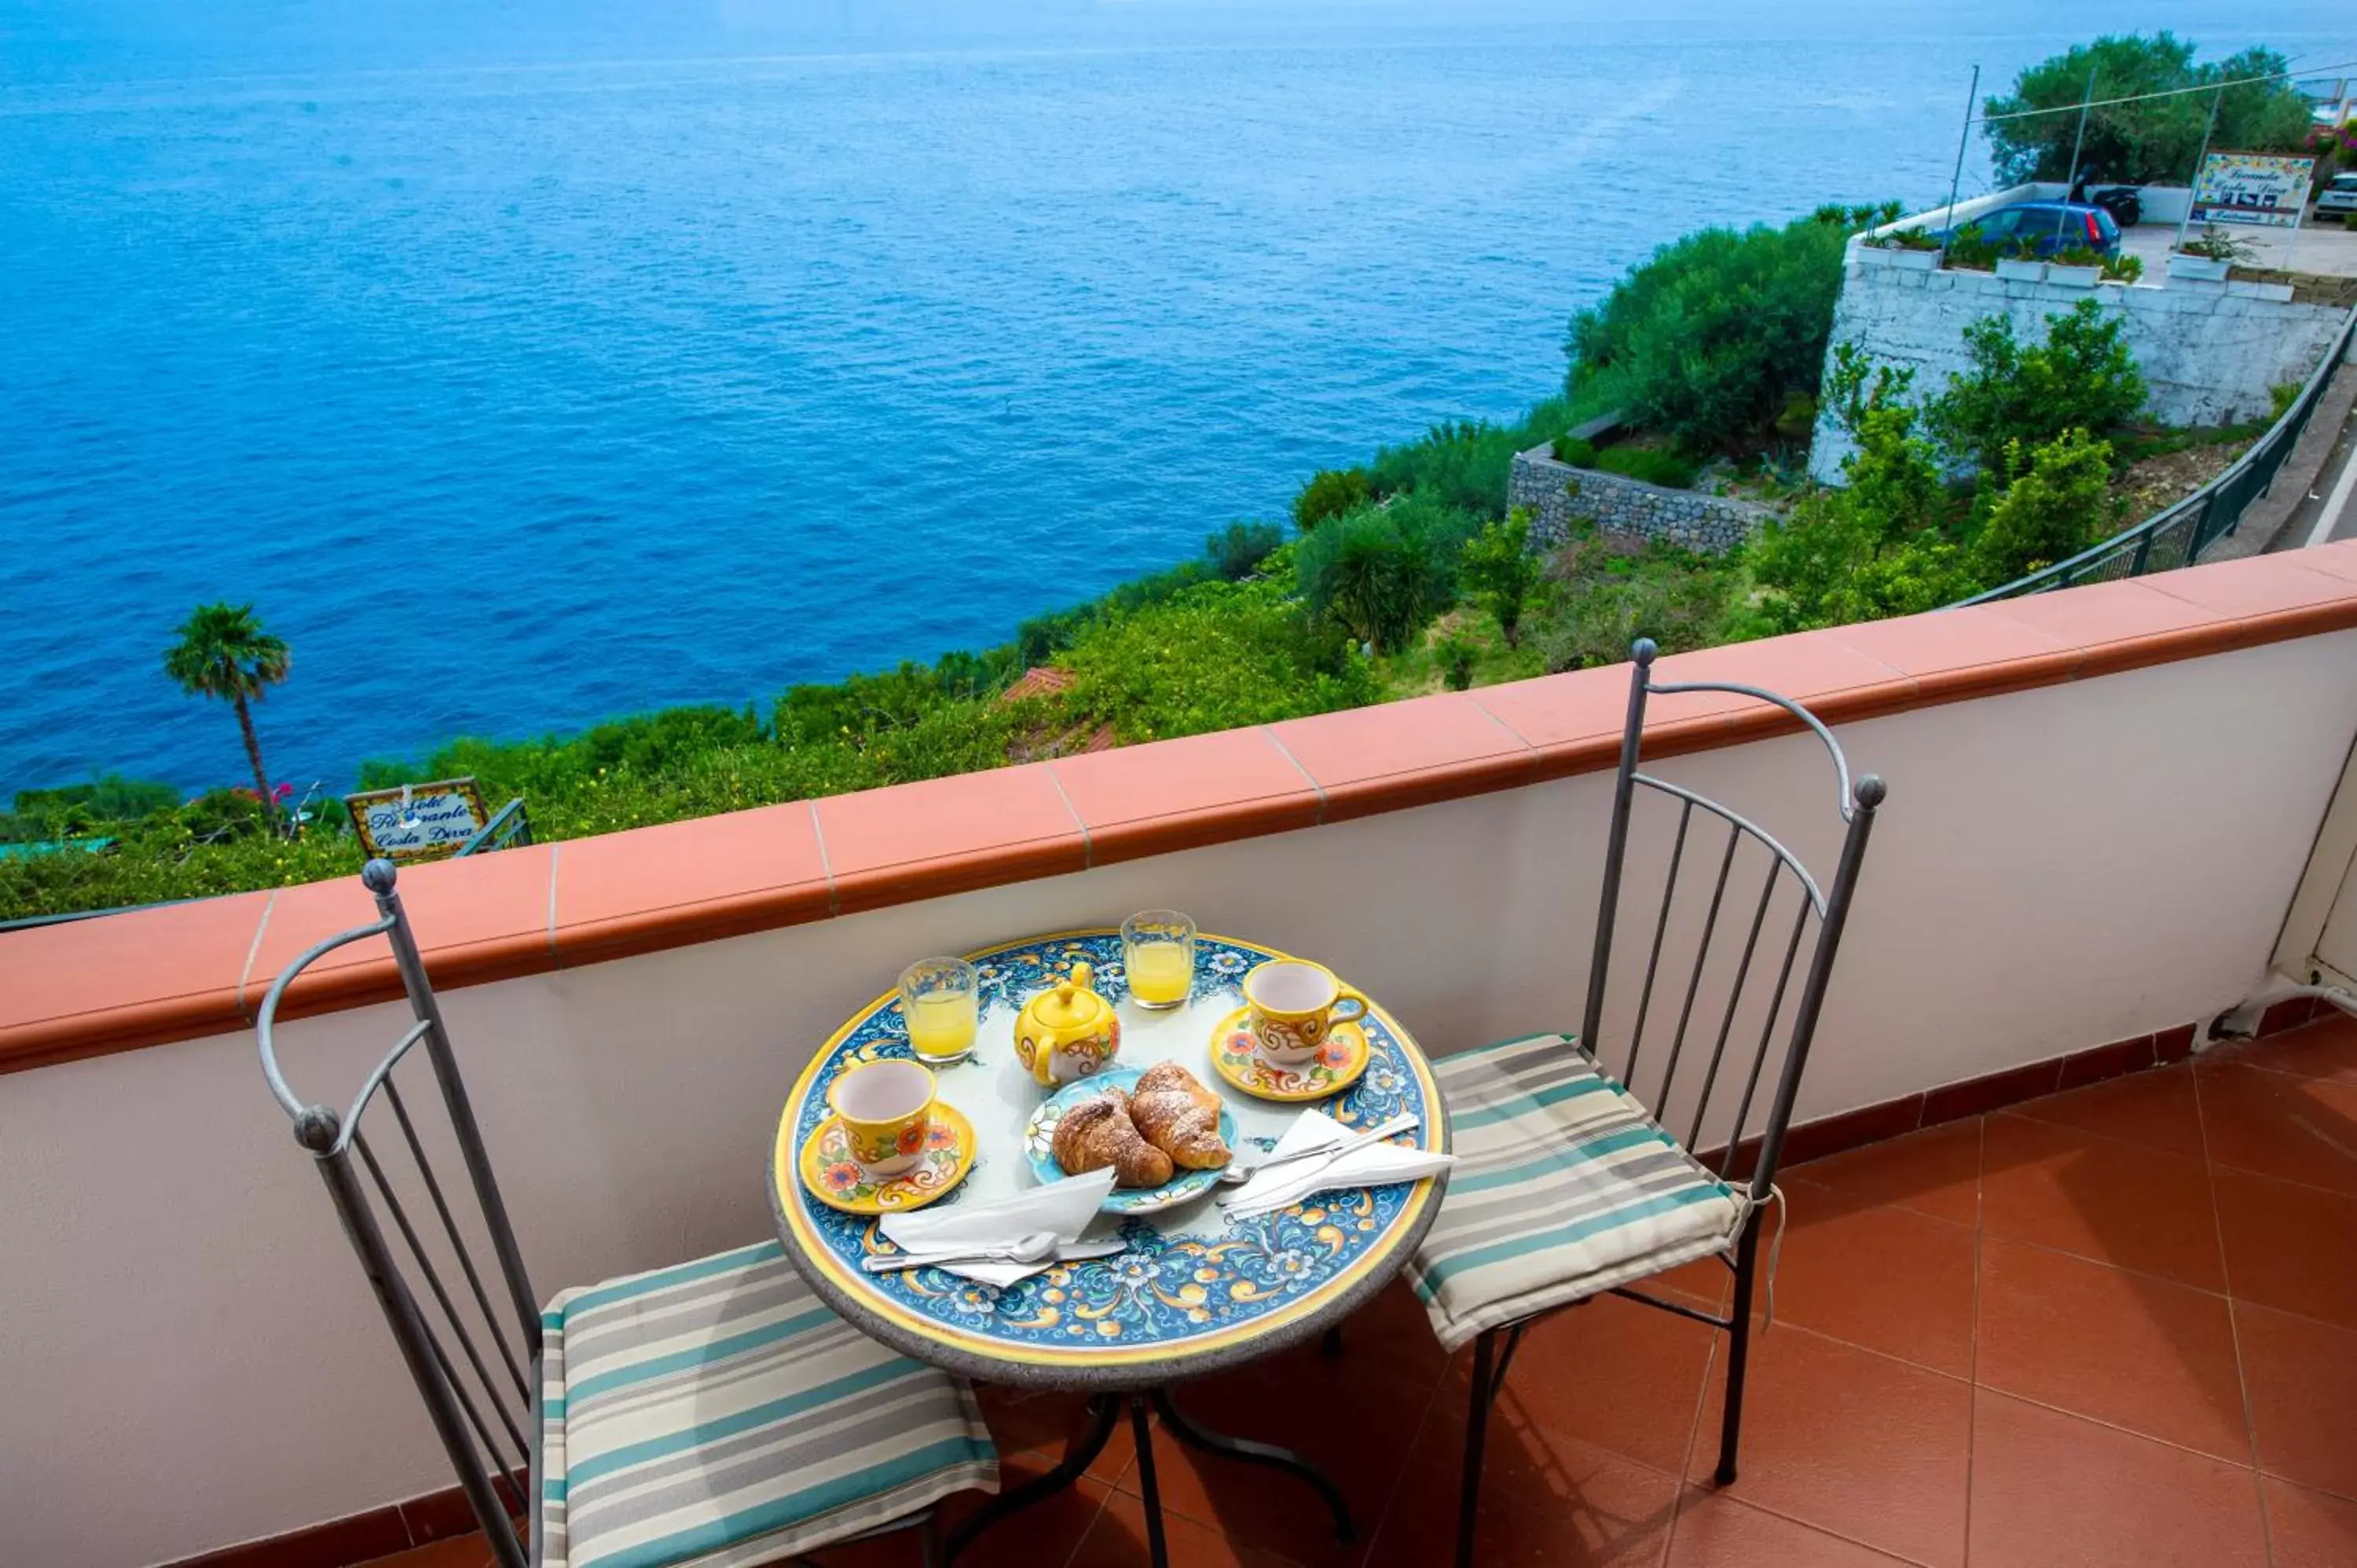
1104 1414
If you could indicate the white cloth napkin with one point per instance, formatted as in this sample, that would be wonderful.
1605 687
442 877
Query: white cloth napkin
1064 1206
1377 1164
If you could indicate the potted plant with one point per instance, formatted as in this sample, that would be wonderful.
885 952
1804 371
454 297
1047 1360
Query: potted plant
1910 248
2210 256
1969 251
2075 266
2123 268
2021 261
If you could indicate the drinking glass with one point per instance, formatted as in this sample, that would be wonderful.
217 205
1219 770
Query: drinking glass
938 998
1157 947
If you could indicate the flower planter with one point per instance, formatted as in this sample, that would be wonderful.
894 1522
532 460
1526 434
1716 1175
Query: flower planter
1906 261
2073 277
2026 271
2198 269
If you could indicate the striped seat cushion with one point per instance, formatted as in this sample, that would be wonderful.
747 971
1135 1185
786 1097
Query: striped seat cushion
1564 1187
717 1412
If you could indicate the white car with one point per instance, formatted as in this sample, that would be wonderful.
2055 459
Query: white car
2337 199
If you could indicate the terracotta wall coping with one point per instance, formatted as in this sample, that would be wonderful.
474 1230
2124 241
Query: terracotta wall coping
156 975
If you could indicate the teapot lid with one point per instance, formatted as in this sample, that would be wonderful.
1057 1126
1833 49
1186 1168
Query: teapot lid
1070 1005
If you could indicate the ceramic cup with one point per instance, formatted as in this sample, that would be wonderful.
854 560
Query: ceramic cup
884 1107
1294 1006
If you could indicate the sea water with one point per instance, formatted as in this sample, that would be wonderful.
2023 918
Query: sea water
529 364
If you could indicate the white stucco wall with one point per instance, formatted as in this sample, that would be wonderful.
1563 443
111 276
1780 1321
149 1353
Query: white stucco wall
193 1359
2213 355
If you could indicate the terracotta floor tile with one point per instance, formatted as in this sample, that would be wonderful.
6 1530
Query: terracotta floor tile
2302 1130
457 1552
1716 1531
1854 1443
1117 1540
2157 1109
2302 1377
1043 1536
2118 1203
1705 1282
2288 1246
1022 1420
1352 1422
1935 1172
2326 1050
1547 1501
2309 1528
1616 1373
1888 1279
2138 1352
1392 1334
2050 1488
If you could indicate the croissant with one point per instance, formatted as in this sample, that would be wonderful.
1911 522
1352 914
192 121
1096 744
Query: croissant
1180 1116
1098 1133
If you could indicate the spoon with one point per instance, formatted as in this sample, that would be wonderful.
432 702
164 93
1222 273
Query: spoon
1035 1247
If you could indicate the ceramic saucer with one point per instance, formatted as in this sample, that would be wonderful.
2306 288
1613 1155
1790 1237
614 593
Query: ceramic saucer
1235 1057
1039 1146
835 1179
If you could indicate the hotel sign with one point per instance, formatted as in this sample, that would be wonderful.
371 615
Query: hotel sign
417 822
2251 188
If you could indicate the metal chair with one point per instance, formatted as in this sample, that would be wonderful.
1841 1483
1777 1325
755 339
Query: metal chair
710 1413
1567 1184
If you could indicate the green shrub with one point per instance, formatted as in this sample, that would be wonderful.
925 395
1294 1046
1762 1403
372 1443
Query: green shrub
84 810
1217 657
1650 464
2079 376
1578 451
1497 568
1455 654
2058 503
1376 575
1604 599
1239 550
1464 464
1707 341
1872 549
1330 493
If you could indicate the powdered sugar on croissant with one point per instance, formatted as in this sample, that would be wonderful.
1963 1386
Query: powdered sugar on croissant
1098 1133
1180 1116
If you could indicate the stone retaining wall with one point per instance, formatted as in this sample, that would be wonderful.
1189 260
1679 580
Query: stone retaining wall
2211 352
1558 493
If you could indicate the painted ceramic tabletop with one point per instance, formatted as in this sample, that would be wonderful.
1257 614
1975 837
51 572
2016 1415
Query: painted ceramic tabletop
1192 1289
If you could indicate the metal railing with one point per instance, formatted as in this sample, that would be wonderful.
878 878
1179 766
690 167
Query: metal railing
510 828
2177 534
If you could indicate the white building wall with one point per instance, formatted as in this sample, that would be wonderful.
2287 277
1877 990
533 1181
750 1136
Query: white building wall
193 1359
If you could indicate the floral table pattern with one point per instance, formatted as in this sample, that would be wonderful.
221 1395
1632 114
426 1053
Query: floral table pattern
1188 1286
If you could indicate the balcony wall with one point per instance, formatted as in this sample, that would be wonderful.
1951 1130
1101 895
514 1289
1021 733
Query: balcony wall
2100 803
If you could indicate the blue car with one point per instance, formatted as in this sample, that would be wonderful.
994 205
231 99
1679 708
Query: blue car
2048 227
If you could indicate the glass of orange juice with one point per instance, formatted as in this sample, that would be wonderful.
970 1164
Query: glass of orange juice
939 998
1158 948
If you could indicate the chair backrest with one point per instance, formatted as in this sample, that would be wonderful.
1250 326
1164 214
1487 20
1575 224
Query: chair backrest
1786 880
484 1407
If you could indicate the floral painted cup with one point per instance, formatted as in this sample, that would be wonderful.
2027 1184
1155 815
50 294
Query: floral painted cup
885 1108
1294 1005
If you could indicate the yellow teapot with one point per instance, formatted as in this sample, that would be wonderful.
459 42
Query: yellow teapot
1068 1032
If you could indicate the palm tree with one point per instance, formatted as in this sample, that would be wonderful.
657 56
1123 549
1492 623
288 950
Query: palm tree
224 652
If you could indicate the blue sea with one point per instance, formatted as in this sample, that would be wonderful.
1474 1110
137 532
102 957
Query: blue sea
532 363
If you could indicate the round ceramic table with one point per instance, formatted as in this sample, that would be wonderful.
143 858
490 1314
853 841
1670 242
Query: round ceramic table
1190 1292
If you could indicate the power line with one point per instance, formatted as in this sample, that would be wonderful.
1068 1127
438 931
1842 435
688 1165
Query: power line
2168 93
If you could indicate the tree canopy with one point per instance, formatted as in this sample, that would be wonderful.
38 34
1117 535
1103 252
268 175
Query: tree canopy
2157 139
